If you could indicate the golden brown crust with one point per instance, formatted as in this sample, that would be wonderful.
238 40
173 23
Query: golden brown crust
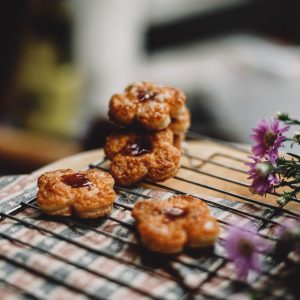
91 201
179 126
122 109
165 163
168 225
129 170
153 115
115 142
176 100
153 156
163 136
150 105
181 123
178 141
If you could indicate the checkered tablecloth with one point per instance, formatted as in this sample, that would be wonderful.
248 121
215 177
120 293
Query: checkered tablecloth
63 258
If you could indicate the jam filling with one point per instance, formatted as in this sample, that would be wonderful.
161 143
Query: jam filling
76 180
144 95
138 147
174 212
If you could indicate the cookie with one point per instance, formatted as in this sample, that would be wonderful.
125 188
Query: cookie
181 123
149 105
139 155
167 226
87 194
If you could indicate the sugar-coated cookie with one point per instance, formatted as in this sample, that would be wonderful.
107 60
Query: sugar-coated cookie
167 226
88 194
149 105
142 155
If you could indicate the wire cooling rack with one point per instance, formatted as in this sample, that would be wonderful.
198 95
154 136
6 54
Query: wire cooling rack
56 257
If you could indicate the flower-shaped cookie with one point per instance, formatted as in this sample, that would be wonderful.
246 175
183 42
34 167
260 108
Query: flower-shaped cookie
168 225
88 194
147 104
142 155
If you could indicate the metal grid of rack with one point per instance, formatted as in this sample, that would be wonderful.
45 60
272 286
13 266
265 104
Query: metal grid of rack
100 259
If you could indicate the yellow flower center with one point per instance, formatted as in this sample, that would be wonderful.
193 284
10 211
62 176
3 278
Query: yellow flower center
245 247
269 139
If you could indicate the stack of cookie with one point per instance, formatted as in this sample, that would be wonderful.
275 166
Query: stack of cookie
147 146
153 120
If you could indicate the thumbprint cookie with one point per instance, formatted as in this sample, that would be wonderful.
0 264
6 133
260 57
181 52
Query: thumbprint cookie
167 226
142 155
149 105
87 194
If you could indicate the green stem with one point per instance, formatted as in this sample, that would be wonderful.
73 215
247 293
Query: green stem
289 183
291 121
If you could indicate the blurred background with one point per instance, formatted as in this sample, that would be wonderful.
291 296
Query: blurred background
237 60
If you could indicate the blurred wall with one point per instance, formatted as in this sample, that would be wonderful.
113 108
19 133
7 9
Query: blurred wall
62 60
108 47
237 60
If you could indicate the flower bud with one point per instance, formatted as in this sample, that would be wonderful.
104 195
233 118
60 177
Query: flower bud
296 137
263 169
282 116
283 199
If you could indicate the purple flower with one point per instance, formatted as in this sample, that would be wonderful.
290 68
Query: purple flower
268 138
288 235
242 247
286 226
262 175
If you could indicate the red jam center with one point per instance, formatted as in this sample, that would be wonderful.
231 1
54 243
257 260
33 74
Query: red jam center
144 95
174 212
76 180
139 147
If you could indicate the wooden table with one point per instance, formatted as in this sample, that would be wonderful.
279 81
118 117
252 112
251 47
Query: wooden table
208 167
